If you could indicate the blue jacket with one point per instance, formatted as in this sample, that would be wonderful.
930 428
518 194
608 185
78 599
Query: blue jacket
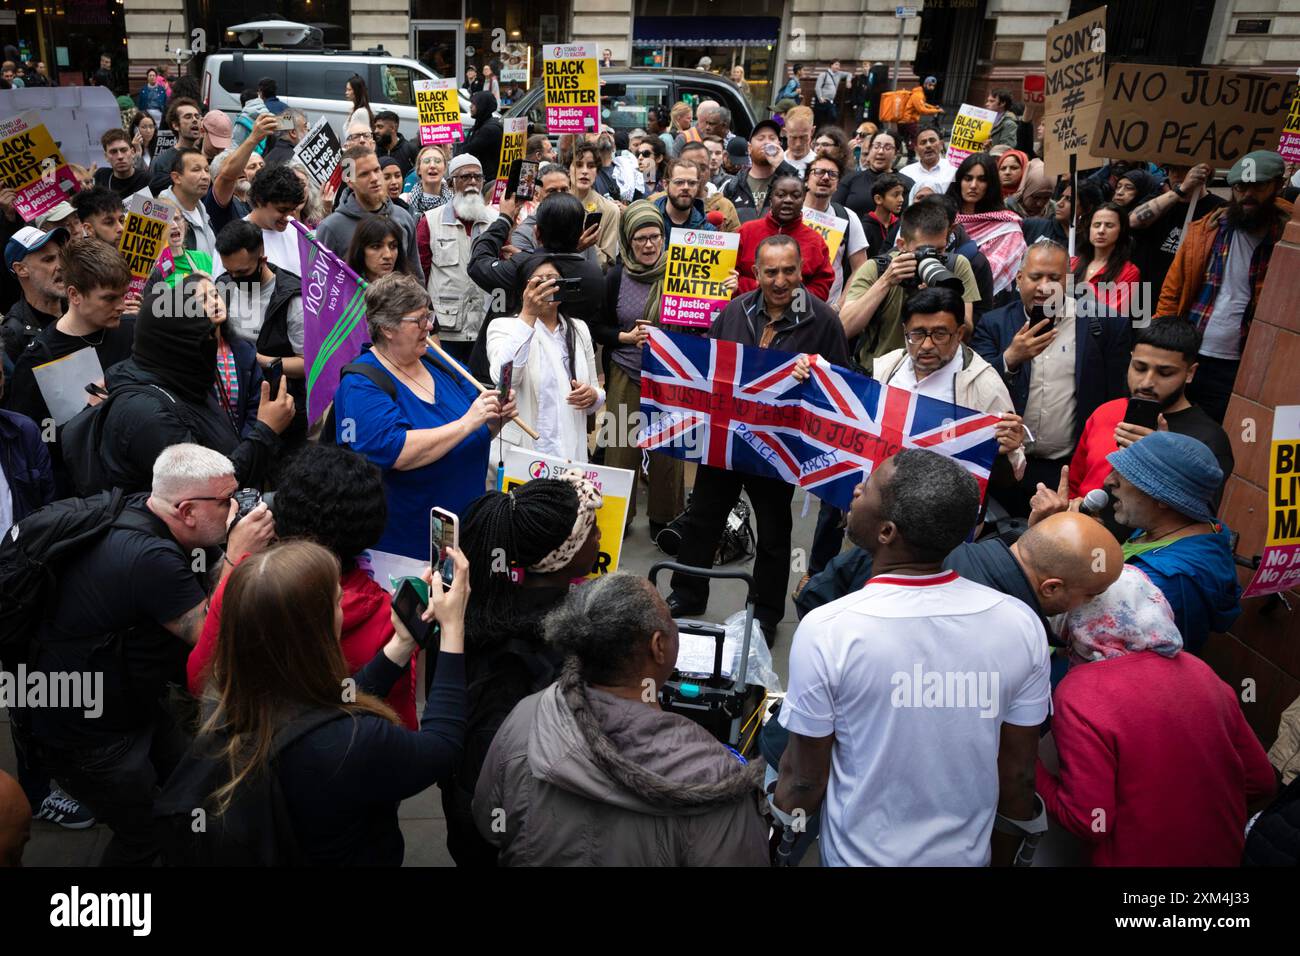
1101 354
151 98
697 220
1198 577
25 461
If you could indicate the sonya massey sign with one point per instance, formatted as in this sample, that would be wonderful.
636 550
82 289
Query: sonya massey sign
1185 116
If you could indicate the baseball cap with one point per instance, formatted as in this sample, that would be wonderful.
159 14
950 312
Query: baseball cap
59 213
29 239
738 152
771 124
1265 163
219 129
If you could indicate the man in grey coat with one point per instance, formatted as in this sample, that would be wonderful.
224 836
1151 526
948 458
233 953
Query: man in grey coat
592 772
368 196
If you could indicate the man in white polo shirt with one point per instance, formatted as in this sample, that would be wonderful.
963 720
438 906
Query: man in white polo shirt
914 703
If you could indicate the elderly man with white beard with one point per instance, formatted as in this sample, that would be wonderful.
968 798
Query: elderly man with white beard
451 229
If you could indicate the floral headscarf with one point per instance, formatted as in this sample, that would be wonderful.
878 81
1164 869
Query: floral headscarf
1131 615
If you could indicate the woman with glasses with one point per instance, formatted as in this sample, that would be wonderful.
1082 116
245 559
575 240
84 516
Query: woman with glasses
377 249
650 158
425 427
632 294
431 188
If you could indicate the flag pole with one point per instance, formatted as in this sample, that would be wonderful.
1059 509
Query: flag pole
528 429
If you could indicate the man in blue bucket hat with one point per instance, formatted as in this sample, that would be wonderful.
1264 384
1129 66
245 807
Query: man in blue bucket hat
1163 484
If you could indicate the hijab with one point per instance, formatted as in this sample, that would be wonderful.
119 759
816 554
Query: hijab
636 217
1144 183
1034 180
1009 191
1129 616
175 341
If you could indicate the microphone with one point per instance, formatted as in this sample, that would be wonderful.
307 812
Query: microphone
1095 502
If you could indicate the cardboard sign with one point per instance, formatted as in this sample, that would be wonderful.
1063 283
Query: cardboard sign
439 112
1289 144
1074 82
614 484
1279 565
32 166
148 222
572 82
1033 93
514 138
63 382
1184 116
970 131
320 152
827 225
698 265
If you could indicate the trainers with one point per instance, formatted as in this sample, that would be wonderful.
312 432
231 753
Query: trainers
68 813
798 588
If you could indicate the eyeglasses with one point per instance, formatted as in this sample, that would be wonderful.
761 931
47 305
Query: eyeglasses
645 153
428 319
225 498
648 240
693 183
824 173
937 336
468 177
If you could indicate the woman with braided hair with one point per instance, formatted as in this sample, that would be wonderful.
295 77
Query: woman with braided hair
525 548
591 772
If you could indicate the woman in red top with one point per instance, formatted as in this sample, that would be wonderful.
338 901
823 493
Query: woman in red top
1158 764
336 498
1104 263
785 217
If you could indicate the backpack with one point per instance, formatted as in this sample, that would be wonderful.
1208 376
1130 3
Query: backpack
892 105
82 441
255 830
31 555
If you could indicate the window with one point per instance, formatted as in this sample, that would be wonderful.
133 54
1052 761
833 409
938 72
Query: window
316 79
396 85
622 105
235 79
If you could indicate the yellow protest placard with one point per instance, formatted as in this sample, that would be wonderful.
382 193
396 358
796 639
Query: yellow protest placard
439 112
514 137
572 81
32 166
827 225
615 485
1279 565
1289 145
699 262
970 131
144 237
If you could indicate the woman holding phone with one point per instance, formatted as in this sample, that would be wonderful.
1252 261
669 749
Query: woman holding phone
632 293
426 428
144 133
554 371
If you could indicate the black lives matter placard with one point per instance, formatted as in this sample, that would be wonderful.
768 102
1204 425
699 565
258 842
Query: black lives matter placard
319 152
1185 116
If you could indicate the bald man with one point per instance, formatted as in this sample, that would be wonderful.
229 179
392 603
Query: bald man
15 821
1054 567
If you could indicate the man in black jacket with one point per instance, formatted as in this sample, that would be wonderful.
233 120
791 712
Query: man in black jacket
484 140
751 187
34 259
780 314
389 141
1058 365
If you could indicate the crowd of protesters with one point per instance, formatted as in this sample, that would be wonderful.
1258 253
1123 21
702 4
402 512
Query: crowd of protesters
225 595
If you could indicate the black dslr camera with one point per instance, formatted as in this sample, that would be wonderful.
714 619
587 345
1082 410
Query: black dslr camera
931 270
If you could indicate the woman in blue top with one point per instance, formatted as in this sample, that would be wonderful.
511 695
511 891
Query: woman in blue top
432 441
152 98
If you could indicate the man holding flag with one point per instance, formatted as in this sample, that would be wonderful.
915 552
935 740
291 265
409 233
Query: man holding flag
780 314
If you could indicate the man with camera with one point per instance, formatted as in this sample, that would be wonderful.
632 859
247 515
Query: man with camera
874 300
130 605
781 315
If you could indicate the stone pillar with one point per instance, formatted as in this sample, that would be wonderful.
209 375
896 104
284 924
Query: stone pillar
147 37
607 23
386 22
1264 643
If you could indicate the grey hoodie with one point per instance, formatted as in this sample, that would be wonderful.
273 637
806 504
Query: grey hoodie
639 787
336 230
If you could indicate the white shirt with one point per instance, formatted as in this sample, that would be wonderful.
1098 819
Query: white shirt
914 767
1222 338
940 384
939 178
282 250
1052 402
6 504
246 311
801 165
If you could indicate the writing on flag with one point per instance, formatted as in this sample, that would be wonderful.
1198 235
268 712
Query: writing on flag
738 407
333 311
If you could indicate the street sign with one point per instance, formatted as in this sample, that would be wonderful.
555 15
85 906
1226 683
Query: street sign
904 13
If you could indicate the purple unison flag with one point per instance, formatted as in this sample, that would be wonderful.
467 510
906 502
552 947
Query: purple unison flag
334 311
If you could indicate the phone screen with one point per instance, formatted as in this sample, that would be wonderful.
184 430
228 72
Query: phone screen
527 182
507 373
442 535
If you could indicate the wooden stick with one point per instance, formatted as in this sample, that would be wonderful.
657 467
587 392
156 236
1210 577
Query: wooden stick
528 429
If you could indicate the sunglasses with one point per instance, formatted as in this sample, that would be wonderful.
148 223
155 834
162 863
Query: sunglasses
644 153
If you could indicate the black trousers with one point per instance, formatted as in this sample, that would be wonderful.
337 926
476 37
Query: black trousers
828 538
118 781
1212 387
715 494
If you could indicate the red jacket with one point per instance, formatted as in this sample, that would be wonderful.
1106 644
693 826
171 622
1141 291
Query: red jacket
1089 468
1157 762
818 273
367 626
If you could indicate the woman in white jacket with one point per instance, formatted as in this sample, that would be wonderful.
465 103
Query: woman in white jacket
554 373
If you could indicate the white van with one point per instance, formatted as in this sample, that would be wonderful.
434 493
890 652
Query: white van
313 81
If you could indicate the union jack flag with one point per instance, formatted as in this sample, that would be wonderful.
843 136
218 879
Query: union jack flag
738 408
